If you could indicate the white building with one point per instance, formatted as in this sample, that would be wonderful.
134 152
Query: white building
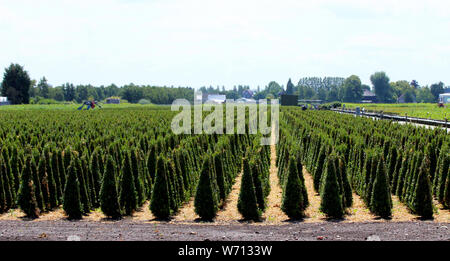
444 98
216 98
245 100
4 100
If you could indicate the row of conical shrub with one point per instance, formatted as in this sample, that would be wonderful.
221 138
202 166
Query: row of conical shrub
374 158
51 137
255 183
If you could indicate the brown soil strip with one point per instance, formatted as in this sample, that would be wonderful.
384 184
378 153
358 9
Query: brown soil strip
313 212
273 213
143 214
186 213
12 214
230 211
441 214
358 212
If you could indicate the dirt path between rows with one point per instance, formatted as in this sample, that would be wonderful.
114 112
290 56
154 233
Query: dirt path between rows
230 212
273 213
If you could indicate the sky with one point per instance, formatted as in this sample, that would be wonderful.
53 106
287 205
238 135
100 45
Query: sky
225 43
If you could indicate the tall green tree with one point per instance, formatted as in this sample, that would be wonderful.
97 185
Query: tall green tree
352 89
43 88
290 87
383 89
436 89
16 84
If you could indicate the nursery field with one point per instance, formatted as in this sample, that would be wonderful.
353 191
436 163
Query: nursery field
125 163
419 110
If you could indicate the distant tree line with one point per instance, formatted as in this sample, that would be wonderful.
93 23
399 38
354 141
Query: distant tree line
19 89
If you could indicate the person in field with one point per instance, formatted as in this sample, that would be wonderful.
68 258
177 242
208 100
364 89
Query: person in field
90 105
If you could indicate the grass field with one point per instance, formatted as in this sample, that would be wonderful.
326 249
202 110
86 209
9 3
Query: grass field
420 110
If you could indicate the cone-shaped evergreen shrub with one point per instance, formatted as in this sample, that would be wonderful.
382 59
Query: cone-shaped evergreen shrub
8 190
43 177
128 195
293 201
320 169
71 200
160 202
52 185
97 171
84 188
331 199
423 200
442 177
109 200
247 204
3 207
381 202
137 177
206 201
446 199
26 198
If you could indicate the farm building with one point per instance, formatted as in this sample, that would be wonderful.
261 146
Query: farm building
248 94
4 101
113 100
444 98
369 97
289 100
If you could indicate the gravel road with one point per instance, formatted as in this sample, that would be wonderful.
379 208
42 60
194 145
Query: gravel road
126 230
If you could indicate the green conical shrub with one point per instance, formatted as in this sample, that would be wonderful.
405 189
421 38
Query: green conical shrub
137 177
446 199
293 203
128 196
26 198
53 194
320 168
346 190
96 170
71 200
258 183
206 201
381 202
151 162
331 199
247 203
43 178
3 206
84 189
423 200
56 177
221 180
109 200
8 190
442 177
160 202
